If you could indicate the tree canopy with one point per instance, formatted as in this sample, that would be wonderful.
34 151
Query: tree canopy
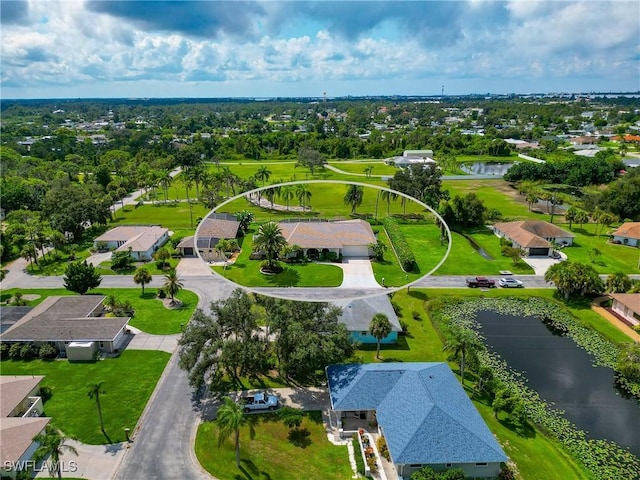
421 182
80 277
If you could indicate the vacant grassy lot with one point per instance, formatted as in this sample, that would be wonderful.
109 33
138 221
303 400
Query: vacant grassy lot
173 216
151 316
275 453
247 272
379 167
128 380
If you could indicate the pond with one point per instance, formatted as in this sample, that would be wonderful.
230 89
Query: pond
487 168
563 374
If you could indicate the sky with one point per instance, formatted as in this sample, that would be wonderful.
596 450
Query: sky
120 49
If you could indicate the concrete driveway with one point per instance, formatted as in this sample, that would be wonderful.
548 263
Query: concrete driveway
190 267
358 273
541 264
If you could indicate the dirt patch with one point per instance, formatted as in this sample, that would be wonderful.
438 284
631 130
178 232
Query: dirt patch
171 306
31 296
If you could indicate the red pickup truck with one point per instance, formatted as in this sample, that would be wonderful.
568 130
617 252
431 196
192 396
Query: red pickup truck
481 282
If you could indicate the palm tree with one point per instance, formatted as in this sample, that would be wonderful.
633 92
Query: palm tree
388 196
581 218
286 193
531 198
142 277
197 174
460 342
618 283
303 194
230 419
263 174
95 389
52 443
367 170
110 303
172 285
380 327
353 197
165 180
270 240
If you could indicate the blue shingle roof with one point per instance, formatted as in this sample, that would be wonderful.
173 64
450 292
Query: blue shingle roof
424 412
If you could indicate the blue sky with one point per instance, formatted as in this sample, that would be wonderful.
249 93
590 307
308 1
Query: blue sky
70 48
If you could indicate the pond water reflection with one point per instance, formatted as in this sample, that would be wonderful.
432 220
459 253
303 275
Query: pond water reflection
487 168
562 373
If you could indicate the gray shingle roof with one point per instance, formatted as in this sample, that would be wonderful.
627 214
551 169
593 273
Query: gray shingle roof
327 234
426 416
357 314
218 226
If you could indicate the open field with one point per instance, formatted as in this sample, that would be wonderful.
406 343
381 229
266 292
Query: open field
174 216
275 453
379 167
128 380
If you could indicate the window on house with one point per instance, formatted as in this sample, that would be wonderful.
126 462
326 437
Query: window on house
449 465
416 465
481 464
101 344
364 332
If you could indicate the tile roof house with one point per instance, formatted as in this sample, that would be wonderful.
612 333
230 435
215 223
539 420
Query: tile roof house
144 241
349 238
20 410
627 305
211 230
60 321
422 411
414 157
357 314
627 234
535 237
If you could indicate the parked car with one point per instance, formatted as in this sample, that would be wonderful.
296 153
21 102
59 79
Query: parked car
260 401
510 283
480 282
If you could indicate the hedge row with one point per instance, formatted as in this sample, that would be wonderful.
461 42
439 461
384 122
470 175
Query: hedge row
400 245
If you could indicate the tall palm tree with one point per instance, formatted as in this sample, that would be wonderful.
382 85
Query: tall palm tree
270 240
353 197
388 196
52 443
303 194
198 174
461 341
263 174
581 218
230 419
187 180
165 180
95 389
172 285
380 327
286 193
142 277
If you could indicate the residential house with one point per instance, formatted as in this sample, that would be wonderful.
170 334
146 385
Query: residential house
349 238
535 237
357 314
211 230
414 157
60 321
423 413
627 234
20 421
143 240
627 306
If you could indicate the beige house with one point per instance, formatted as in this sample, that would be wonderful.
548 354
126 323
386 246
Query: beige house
211 230
60 321
349 238
627 234
535 237
143 240
627 305
20 421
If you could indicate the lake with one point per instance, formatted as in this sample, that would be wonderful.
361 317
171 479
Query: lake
563 375
487 168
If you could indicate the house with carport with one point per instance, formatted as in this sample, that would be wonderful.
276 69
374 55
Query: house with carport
20 420
627 234
143 240
357 315
75 325
627 307
535 237
349 238
423 413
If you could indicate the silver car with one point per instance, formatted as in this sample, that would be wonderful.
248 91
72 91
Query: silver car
510 283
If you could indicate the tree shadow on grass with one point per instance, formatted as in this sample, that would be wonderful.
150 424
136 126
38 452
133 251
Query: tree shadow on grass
147 295
524 431
299 437
287 278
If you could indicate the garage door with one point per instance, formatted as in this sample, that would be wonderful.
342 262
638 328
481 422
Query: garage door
538 251
355 251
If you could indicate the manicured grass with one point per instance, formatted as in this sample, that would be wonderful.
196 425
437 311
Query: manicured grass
485 158
151 316
105 268
613 258
247 272
171 215
128 380
379 167
272 454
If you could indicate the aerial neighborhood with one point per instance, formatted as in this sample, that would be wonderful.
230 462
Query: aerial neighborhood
320 288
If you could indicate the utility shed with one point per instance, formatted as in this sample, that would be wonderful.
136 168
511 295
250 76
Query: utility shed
81 351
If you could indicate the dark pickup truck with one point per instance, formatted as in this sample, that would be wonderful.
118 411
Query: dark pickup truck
481 282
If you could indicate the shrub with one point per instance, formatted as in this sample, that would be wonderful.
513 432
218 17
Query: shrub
162 293
400 245
47 351
14 351
416 315
28 351
4 351
381 443
358 455
404 325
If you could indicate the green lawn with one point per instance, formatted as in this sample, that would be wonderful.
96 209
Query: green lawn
247 272
173 216
379 167
151 316
128 380
274 453
105 268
